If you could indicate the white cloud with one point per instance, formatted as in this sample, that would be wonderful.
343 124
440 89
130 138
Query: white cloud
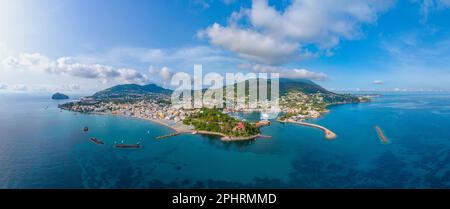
35 61
427 5
69 66
165 73
131 76
284 72
41 87
206 4
161 76
71 87
250 44
377 82
274 36
414 49
178 58
19 87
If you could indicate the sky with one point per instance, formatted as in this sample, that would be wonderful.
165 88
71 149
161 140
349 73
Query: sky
84 46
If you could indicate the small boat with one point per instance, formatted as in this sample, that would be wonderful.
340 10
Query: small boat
85 129
97 141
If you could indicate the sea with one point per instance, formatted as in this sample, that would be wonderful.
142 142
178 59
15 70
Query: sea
42 146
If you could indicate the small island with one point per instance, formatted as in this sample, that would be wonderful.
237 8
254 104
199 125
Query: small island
59 96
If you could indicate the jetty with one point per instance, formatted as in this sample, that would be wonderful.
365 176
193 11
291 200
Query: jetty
328 133
381 135
169 135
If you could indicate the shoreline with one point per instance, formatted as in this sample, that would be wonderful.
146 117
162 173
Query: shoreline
232 138
180 128
329 135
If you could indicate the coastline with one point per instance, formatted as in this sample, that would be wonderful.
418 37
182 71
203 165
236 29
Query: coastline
232 138
164 123
329 135
180 128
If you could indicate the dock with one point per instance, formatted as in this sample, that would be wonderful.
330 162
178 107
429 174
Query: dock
169 135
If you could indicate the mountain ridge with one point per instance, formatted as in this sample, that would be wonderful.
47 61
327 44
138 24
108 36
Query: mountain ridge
286 86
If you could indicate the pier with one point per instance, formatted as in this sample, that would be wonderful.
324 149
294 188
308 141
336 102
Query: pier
328 133
169 135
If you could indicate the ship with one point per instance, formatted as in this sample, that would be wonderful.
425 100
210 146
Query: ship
127 146
97 141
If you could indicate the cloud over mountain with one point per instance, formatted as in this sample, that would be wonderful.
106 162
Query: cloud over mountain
284 72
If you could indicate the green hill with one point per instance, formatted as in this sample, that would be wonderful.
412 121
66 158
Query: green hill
134 91
131 91
307 87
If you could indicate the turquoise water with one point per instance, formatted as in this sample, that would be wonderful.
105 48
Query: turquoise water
45 148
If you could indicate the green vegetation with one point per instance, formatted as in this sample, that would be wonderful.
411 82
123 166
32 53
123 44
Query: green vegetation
214 120
132 92
287 116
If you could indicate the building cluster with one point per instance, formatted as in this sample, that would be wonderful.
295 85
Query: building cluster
297 106
301 106
142 109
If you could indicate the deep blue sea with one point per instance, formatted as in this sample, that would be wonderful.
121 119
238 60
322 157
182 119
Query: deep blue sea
43 147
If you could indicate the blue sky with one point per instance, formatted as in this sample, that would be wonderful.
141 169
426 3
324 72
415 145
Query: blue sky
87 45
